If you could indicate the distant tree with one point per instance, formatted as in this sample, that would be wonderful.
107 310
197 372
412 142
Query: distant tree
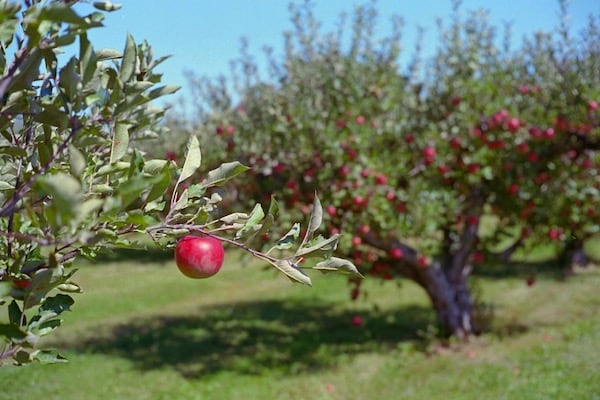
433 167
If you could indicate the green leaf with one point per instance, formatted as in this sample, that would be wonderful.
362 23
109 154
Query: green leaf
87 59
48 357
319 247
57 304
107 6
136 165
5 288
120 141
256 216
161 184
89 206
196 191
155 166
129 59
70 79
132 189
316 218
288 240
64 189
224 173
48 326
77 160
108 54
39 287
335 264
192 162
69 288
13 151
12 331
163 91
291 270
14 313
182 201
6 186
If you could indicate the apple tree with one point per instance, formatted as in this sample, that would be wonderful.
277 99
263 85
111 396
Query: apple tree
432 166
74 179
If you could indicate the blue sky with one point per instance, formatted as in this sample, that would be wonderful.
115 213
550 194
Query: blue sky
204 35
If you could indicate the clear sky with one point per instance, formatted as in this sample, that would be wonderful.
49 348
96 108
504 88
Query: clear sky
204 35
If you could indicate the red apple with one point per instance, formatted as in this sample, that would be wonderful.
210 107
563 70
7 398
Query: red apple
364 229
396 253
429 154
513 124
390 195
344 170
478 257
22 283
360 120
380 179
593 105
455 143
357 320
401 207
331 210
554 234
356 241
360 201
199 257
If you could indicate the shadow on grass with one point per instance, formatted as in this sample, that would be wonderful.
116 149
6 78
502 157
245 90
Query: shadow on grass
251 338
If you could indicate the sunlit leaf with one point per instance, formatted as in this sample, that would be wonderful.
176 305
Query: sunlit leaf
224 173
64 189
316 218
129 59
335 264
120 141
288 240
292 271
192 161
319 247
48 357
256 216
77 161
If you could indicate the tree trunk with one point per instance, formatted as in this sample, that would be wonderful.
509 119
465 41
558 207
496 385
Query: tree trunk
451 301
573 256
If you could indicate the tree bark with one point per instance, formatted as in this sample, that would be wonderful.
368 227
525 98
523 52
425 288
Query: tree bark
451 301
573 256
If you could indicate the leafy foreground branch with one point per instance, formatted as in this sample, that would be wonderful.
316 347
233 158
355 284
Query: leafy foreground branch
74 180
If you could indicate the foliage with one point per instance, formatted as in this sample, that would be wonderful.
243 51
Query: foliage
74 180
433 166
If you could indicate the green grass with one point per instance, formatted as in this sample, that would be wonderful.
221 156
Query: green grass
143 331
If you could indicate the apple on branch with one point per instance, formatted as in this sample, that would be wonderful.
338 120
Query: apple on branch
199 257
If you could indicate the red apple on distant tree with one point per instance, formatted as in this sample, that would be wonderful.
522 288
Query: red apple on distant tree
429 154
199 257
396 253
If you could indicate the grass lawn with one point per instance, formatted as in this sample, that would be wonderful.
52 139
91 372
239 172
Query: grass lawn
142 330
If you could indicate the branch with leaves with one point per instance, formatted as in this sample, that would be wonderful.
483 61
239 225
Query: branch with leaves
74 181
